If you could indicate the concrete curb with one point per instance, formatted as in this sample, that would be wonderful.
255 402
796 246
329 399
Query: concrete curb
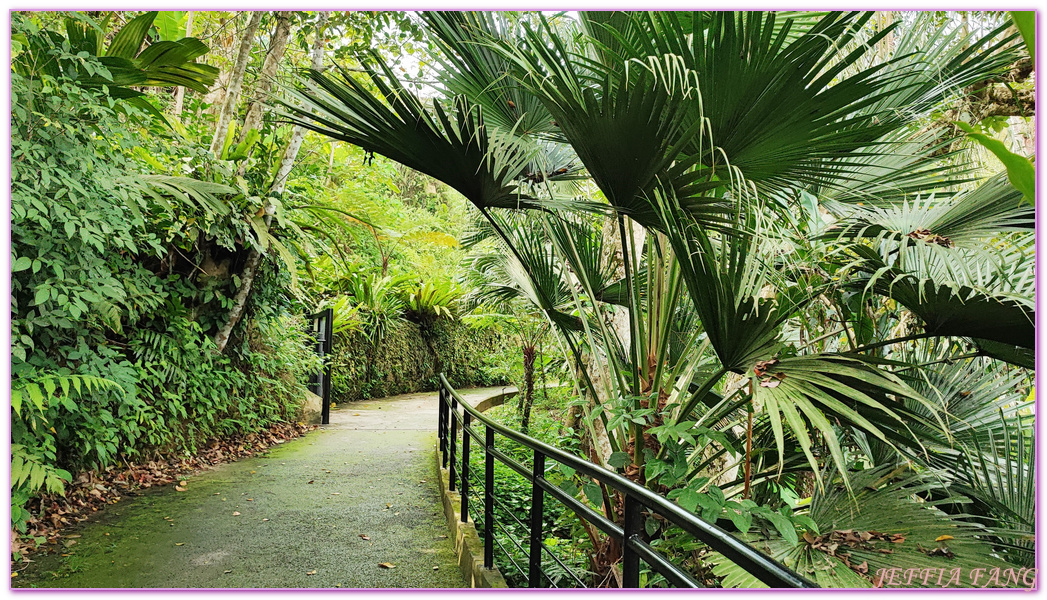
467 543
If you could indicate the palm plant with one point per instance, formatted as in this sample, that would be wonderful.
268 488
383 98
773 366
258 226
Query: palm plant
684 289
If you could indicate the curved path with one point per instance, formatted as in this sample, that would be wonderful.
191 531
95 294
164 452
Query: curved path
293 518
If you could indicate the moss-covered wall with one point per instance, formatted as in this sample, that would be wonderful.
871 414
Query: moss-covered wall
411 358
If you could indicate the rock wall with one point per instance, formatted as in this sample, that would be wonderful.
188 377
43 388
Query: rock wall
411 358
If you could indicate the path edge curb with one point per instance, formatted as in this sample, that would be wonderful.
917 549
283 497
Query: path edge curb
467 544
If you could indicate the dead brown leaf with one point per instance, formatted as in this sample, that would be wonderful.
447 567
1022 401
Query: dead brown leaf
364 536
387 565
236 513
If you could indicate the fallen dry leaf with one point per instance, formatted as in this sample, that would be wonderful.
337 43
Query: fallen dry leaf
364 536
182 483
387 565
179 543
436 568
264 520
179 488
227 571
236 513
313 572
942 538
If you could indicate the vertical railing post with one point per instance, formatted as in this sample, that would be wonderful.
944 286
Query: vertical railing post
632 527
452 441
534 571
466 420
325 389
489 499
441 424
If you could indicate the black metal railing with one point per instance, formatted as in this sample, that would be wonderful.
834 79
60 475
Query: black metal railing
456 420
321 326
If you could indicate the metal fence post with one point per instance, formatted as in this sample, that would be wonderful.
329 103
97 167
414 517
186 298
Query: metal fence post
489 500
466 420
534 571
441 425
632 527
452 441
325 389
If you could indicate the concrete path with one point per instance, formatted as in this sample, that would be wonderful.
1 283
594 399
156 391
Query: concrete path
294 518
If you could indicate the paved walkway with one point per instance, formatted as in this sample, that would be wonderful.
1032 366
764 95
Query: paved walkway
294 518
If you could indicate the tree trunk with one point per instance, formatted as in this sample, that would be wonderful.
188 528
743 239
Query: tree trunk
180 91
528 397
236 82
268 75
254 259
298 133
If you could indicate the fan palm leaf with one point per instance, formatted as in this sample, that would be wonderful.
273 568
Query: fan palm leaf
887 524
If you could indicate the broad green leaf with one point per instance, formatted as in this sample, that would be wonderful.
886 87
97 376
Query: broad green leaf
21 264
1020 170
1025 21
619 459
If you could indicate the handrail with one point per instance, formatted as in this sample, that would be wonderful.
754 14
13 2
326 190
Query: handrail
637 497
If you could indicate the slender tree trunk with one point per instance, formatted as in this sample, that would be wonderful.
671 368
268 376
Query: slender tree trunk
298 133
180 90
254 257
330 164
528 398
266 78
236 82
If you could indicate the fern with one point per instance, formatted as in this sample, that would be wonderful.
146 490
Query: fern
41 390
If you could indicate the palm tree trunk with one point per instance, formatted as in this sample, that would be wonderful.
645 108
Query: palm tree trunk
528 399
236 82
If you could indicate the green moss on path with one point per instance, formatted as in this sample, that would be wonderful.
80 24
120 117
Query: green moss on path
302 509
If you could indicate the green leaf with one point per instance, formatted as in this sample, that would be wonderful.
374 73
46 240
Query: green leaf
741 518
650 525
129 39
784 525
592 492
688 499
170 24
1020 170
21 264
619 459
1025 21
